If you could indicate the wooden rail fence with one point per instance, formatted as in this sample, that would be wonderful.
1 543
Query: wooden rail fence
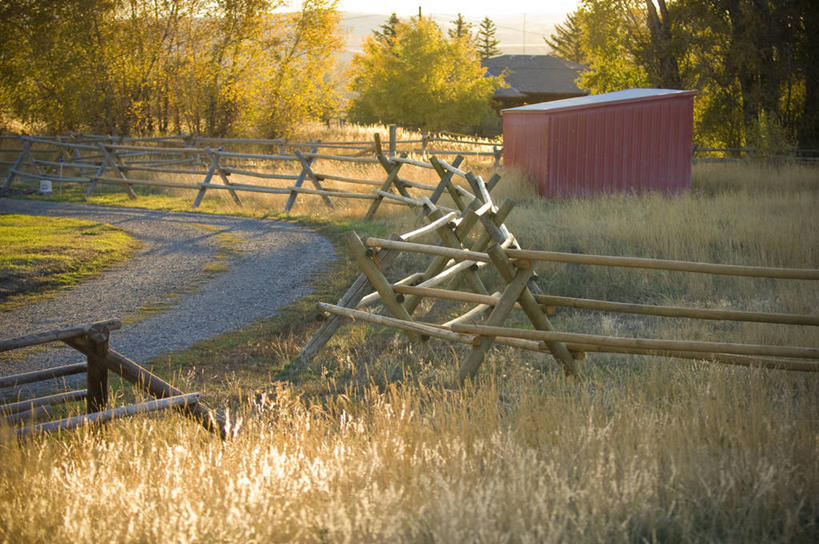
475 249
97 160
93 342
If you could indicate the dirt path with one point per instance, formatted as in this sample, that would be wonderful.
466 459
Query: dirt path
165 294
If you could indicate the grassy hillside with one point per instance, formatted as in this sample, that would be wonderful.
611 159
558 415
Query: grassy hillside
372 443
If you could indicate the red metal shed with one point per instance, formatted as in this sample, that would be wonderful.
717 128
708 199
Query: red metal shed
635 140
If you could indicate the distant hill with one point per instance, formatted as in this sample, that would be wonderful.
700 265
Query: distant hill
356 26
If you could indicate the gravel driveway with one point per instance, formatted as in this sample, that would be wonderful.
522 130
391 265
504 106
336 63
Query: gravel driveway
273 266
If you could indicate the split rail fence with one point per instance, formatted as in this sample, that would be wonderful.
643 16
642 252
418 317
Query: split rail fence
474 248
95 160
93 342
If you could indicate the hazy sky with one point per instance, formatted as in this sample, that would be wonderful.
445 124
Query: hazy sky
472 8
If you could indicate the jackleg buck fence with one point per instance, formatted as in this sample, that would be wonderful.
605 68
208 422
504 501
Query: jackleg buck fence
292 170
474 248
92 341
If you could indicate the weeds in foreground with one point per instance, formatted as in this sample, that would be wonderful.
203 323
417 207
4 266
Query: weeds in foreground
654 451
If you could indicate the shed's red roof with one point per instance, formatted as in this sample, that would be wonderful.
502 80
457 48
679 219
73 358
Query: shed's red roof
628 95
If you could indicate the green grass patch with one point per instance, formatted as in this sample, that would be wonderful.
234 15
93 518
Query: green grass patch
41 255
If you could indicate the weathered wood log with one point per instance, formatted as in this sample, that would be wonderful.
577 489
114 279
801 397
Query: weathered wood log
56 335
50 400
306 165
415 202
429 227
634 262
342 158
478 313
350 299
251 188
514 289
437 331
409 326
307 170
27 416
214 160
447 294
50 177
263 175
444 175
428 249
392 169
378 281
257 156
620 307
41 375
152 384
325 192
376 296
56 143
721 358
534 312
180 402
112 163
644 343
679 311
344 179
671 265
25 152
72 165
412 162
97 373
149 182
417 185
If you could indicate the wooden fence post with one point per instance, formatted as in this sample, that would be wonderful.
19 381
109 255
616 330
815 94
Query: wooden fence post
293 194
378 281
392 169
392 140
217 168
305 169
446 181
97 372
109 159
534 311
328 328
25 152
498 315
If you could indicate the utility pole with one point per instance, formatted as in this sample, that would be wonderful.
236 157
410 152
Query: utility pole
524 33
419 13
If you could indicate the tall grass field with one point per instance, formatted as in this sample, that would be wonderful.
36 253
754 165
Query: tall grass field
373 443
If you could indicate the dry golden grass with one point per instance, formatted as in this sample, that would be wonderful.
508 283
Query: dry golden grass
675 452
372 445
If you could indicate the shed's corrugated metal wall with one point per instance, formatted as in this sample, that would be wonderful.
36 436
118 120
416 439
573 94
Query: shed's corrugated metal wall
635 145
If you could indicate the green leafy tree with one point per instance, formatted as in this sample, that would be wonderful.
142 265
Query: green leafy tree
487 42
424 81
121 66
610 41
752 61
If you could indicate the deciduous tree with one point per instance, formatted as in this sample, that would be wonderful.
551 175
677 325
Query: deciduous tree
424 80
